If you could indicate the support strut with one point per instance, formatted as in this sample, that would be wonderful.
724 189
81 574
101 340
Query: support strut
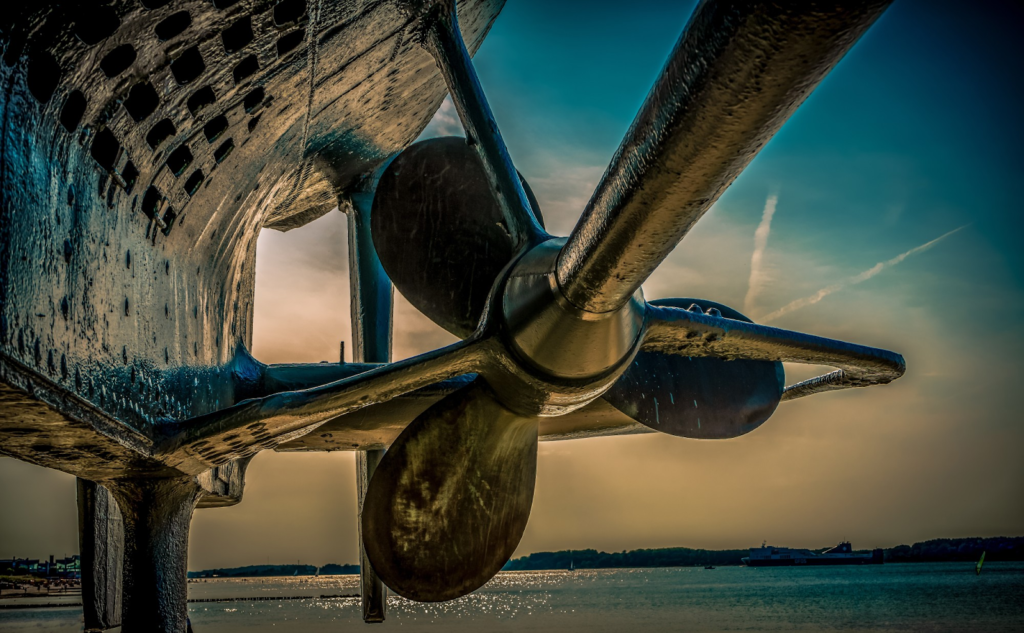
156 514
371 589
101 542
371 309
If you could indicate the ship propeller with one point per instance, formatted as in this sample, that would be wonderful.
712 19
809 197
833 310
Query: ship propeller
550 324
563 321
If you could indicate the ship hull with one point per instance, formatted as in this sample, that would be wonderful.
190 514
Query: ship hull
874 559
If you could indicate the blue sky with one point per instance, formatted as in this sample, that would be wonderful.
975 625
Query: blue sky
916 133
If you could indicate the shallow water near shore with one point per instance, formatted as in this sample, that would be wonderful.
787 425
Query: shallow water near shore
902 597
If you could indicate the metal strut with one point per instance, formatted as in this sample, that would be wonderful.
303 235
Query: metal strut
101 542
157 513
371 309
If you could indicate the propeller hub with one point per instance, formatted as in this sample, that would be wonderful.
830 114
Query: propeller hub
556 338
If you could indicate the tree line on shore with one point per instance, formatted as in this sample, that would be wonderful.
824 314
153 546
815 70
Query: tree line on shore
999 548
936 550
259 571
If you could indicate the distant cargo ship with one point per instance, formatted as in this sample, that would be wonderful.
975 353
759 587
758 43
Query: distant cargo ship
842 554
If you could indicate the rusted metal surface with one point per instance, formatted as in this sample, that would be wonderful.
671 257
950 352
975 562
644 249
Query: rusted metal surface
156 514
143 147
377 426
223 486
374 427
739 71
693 333
48 426
201 443
372 592
695 396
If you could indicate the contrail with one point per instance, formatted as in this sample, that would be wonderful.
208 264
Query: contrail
757 275
856 279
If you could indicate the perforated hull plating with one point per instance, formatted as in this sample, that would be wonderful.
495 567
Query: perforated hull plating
143 149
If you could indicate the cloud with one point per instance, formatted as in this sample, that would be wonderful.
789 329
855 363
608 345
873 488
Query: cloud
852 281
758 276
445 122
301 311
563 190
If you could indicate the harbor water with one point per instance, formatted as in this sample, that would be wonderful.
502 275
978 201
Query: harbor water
897 597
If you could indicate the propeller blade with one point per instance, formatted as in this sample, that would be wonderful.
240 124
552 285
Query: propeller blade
702 397
449 501
439 232
696 334
737 73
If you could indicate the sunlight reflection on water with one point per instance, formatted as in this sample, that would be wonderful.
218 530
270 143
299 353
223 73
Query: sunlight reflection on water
917 597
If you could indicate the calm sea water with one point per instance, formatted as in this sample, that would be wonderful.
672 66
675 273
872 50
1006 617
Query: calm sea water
910 597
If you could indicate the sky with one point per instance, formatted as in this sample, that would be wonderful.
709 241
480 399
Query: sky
885 212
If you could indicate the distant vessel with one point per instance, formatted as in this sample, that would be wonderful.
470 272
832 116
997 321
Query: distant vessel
842 554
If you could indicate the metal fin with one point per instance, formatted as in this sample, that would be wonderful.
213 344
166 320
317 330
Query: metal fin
686 333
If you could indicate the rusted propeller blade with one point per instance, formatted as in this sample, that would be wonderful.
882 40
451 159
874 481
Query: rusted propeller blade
698 397
737 73
449 502
440 233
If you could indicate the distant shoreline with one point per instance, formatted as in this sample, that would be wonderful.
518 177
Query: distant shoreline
999 548
266 571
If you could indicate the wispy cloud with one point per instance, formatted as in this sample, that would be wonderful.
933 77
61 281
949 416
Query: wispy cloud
856 279
445 122
563 190
758 276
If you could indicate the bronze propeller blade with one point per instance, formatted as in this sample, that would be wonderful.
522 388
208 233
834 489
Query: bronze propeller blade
698 397
440 233
449 502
